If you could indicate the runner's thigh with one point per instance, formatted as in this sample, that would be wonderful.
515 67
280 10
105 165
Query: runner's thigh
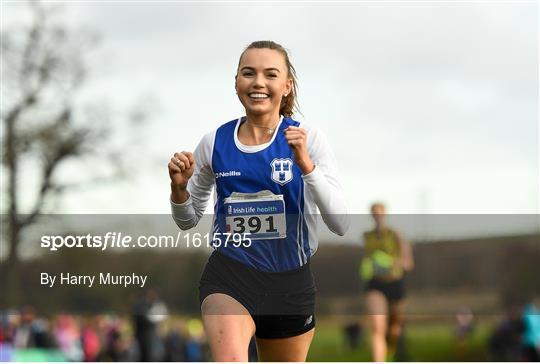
229 327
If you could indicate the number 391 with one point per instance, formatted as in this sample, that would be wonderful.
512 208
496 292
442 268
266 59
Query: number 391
254 225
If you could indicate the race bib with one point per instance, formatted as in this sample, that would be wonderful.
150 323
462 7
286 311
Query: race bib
260 215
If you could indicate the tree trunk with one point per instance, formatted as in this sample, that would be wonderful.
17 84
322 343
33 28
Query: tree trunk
9 271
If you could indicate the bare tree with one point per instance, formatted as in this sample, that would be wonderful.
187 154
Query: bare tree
43 69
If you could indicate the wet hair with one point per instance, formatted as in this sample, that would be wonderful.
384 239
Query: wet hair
289 104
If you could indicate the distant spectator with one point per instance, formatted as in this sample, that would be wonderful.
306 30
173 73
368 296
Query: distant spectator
531 331
31 332
112 339
464 323
90 339
506 340
68 337
194 344
175 345
353 335
149 311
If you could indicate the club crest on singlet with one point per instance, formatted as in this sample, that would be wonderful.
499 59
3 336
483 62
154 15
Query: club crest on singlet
282 170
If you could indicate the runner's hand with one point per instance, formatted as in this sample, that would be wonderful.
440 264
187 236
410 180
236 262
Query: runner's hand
297 140
181 167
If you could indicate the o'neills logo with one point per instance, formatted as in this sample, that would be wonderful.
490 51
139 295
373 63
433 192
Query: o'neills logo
228 174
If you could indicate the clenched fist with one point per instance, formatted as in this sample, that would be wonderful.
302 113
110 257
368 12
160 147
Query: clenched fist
181 167
297 140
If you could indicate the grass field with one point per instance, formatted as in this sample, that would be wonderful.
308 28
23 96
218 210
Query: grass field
425 341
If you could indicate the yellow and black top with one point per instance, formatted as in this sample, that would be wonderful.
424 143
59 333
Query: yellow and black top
382 256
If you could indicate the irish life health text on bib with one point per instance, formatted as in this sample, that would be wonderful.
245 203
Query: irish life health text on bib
260 215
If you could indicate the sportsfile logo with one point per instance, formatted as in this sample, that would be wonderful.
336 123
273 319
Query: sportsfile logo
228 174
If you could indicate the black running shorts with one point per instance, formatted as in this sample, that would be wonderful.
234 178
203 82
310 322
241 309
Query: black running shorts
394 291
282 304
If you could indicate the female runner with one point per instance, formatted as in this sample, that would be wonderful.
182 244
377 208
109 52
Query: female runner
272 176
388 257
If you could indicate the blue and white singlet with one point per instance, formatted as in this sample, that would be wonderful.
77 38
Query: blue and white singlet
261 194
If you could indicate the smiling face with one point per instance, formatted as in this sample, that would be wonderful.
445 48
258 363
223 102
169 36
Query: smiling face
262 80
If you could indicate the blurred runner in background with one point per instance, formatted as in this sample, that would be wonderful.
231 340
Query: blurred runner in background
387 257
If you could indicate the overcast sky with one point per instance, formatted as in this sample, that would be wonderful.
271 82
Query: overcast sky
431 107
